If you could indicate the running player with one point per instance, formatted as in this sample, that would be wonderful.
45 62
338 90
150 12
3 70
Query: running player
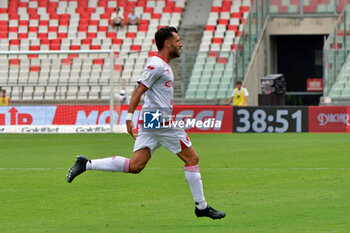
157 82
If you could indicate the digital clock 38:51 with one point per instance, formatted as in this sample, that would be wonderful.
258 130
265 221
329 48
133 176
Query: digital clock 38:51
270 119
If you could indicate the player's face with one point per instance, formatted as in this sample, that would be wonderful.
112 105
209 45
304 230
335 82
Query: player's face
239 86
175 46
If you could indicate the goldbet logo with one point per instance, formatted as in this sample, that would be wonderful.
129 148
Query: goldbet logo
325 119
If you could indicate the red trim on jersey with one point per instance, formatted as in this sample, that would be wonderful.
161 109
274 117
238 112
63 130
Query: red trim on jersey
183 145
157 55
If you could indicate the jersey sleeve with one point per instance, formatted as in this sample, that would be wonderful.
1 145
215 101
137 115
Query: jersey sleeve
246 93
150 74
233 93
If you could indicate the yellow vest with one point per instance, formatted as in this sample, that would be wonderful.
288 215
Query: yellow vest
4 101
239 100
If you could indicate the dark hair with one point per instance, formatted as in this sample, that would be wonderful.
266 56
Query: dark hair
164 34
239 82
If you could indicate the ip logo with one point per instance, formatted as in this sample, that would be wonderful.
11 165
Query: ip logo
151 120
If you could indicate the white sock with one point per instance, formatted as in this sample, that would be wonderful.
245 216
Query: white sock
113 164
194 179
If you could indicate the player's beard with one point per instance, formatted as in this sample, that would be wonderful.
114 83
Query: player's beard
174 52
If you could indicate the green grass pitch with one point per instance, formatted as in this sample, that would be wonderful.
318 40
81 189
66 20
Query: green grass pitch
264 183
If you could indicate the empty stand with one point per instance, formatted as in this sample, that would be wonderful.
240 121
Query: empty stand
50 25
212 75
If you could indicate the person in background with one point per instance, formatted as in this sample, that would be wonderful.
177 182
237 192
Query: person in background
239 95
117 19
4 101
133 19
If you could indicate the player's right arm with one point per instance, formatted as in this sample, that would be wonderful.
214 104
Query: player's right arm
134 101
229 101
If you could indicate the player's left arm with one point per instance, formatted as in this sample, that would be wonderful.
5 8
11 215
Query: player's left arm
134 101
246 94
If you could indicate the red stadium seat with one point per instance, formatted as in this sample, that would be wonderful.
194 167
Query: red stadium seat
225 9
232 28
177 10
45 41
13 29
67 61
236 15
43 23
54 47
167 9
32 56
156 16
42 35
33 29
3 35
64 22
35 69
34 47
53 29
34 17
103 29
118 67
23 23
221 60
217 40
223 21
86 41
61 35
213 54
244 9
14 62
73 55
91 35
98 61
226 3
95 47
215 9
210 28
148 10
56 42
111 35
32 11
75 47
14 42
143 28
23 4
131 35
94 22
135 48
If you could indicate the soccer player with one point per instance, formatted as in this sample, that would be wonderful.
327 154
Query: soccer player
157 82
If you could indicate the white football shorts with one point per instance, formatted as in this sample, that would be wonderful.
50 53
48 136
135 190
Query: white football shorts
173 139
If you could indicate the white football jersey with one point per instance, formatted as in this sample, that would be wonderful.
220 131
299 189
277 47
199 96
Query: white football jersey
158 77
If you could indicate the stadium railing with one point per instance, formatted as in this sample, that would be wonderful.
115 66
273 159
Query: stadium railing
335 58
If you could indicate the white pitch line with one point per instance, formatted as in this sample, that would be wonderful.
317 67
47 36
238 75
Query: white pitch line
204 168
